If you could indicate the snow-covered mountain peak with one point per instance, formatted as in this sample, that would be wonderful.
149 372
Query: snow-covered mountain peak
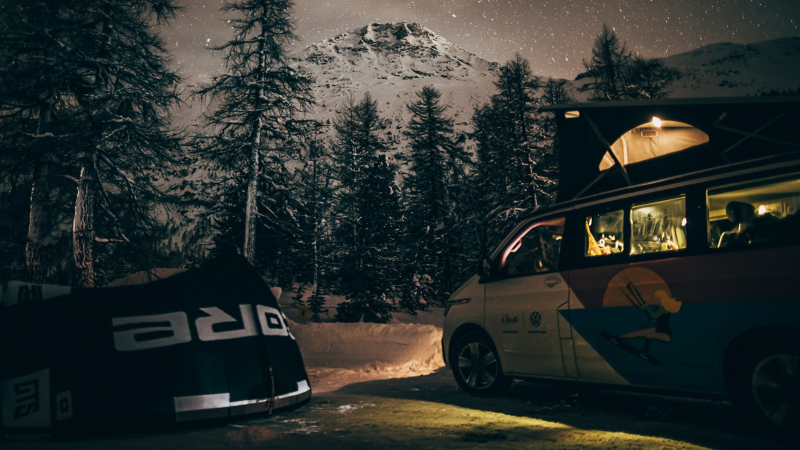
392 38
393 50
399 35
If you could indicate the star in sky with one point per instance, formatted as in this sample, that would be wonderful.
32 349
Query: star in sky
554 35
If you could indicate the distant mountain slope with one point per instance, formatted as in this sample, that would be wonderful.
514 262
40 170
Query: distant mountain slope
733 70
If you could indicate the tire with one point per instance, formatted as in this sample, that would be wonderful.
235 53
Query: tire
768 388
476 367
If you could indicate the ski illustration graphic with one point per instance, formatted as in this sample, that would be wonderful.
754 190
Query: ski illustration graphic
630 349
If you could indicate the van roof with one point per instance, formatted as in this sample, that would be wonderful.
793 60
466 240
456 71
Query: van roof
675 102
611 146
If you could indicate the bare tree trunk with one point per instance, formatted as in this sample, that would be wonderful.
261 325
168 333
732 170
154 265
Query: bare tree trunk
38 229
314 195
38 226
83 228
251 207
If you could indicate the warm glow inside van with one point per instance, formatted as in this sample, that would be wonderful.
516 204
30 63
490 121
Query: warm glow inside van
670 262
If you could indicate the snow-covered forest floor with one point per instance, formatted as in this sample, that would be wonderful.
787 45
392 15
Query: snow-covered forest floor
337 354
384 386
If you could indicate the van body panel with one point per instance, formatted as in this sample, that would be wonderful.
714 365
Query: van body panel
721 295
522 319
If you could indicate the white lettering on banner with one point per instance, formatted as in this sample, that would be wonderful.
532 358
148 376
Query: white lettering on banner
15 292
288 330
205 325
64 405
273 323
25 401
127 341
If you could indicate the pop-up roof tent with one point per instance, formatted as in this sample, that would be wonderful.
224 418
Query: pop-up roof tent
610 145
206 343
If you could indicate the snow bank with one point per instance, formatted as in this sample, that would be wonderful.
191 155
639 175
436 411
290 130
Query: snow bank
369 351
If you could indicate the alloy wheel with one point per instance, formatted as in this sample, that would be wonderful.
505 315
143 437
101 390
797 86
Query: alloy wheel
776 389
478 365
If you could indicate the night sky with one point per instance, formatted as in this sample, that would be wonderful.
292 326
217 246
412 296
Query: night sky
553 34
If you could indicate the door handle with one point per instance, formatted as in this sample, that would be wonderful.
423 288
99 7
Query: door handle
552 281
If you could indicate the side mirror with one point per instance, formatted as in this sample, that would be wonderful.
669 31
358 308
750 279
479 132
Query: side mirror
485 270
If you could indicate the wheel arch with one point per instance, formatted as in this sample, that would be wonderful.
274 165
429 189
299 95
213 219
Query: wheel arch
746 343
463 330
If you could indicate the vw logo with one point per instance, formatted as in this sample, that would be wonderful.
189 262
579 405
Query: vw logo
536 319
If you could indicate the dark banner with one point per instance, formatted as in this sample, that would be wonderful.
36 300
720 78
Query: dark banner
205 343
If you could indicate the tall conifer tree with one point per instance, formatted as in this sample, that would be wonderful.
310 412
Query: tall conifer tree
618 75
102 116
257 103
510 147
367 214
434 157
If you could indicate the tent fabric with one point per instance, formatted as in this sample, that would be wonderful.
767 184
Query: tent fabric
648 141
739 130
205 343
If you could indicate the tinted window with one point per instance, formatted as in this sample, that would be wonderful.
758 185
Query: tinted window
535 250
604 234
658 226
752 214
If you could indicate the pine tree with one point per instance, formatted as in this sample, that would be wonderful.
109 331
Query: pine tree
429 200
618 75
315 303
607 67
650 78
100 72
367 215
37 81
125 98
511 149
554 93
313 187
297 300
257 104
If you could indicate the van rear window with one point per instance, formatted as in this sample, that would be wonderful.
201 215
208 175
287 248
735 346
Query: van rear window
743 215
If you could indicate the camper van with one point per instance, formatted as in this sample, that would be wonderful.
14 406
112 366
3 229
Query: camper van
670 262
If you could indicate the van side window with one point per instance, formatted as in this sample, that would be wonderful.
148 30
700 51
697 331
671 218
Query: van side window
535 250
658 226
739 216
604 234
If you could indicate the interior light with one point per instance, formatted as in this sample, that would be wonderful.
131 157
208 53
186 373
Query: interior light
572 114
683 222
656 122
590 221
762 210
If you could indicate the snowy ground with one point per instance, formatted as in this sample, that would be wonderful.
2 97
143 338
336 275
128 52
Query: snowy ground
384 386
337 354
